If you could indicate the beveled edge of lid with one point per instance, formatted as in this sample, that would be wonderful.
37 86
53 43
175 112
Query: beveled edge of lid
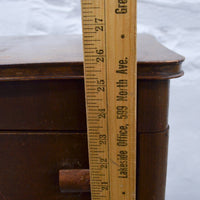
155 61
160 71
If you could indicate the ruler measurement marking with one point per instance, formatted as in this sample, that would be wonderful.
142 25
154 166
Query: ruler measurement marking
91 48
89 36
90 78
88 20
90 63
95 56
91 44
93 70
90 7
89 67
99 151
92 40
95 127
90 81
90 75
89 32
94 24
93 106
89 16
87 12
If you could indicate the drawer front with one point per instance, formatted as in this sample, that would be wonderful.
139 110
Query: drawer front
30 162
42 105
59 105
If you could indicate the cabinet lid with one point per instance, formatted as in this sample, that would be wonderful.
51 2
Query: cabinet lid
60 57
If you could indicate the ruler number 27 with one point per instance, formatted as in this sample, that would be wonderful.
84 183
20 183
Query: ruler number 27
99 27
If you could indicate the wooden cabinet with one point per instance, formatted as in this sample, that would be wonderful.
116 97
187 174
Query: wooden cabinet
43 123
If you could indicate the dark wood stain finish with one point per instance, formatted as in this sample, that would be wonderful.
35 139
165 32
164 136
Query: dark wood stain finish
42 105
43 124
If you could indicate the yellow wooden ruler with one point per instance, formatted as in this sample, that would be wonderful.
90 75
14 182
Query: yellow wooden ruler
109 38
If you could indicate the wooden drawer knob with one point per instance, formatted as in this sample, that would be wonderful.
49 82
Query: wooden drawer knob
74 180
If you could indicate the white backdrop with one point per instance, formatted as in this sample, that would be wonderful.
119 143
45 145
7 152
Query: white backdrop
176 23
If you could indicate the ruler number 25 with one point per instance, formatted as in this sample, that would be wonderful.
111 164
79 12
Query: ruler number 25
101 86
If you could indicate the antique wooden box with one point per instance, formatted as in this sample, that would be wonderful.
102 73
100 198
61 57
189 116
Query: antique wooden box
43 123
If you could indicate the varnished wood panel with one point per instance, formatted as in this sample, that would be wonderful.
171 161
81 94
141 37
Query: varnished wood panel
30 164
42 105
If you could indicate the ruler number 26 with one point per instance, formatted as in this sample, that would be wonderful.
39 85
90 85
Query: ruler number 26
100 54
